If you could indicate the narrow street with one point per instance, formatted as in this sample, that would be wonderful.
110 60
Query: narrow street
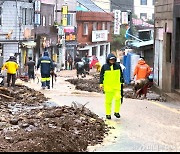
138 40
144 125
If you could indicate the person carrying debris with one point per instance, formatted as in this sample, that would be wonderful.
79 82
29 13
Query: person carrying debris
86 63
81 69
142 71
46 67
111 78
53 72
12 66
76 60
30 65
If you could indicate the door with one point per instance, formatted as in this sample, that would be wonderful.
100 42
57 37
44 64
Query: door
177 55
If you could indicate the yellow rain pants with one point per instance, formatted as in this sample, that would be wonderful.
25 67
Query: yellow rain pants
109 97
112 89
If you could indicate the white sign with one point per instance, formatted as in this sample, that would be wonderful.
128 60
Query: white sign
37 17
37 6
159 34
125 18
100 35
117 21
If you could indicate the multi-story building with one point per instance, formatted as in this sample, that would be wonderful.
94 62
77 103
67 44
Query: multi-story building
144 9
94 34
167 46
65 22
45 32
16 24
122 5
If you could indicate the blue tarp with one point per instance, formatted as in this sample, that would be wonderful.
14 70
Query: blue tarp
128 64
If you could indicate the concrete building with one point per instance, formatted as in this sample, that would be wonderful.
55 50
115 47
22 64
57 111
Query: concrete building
94 34
144 9
16 24
167 46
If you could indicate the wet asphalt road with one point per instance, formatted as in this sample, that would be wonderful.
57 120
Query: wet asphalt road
144 125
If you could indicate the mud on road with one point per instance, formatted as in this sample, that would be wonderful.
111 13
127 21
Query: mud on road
29 124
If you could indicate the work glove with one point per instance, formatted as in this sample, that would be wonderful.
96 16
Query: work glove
101 87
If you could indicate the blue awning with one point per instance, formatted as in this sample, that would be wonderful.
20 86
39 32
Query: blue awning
89 5
138 44
78 8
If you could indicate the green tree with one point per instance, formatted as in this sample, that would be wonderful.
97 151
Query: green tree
151 21
118 41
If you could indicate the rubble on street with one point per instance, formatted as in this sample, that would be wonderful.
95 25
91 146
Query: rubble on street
29 124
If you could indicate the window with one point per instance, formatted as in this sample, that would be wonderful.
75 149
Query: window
24 16
108 27
85 28
153 2
27 16
1 51
101 50
0 15
94 51
43 21
168 46
103 26
153 16
70 19
94 26
50 20
143 16
143 2
107 48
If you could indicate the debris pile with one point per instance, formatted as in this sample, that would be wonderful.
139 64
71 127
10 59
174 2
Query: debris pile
92 85
21 94
29 124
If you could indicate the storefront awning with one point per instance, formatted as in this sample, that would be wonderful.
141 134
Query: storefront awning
71 43
138 44
29 44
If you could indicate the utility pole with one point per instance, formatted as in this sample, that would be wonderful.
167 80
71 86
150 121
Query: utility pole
56 10
19 35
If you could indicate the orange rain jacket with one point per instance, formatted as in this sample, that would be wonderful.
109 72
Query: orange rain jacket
142 70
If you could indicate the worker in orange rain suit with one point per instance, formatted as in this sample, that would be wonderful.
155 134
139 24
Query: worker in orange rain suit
142 71
111 78
12 67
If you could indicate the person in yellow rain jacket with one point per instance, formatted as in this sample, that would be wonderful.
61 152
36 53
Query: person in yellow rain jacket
12 67
98 67
111 78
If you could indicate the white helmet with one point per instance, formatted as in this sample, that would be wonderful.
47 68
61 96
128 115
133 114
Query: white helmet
11 55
